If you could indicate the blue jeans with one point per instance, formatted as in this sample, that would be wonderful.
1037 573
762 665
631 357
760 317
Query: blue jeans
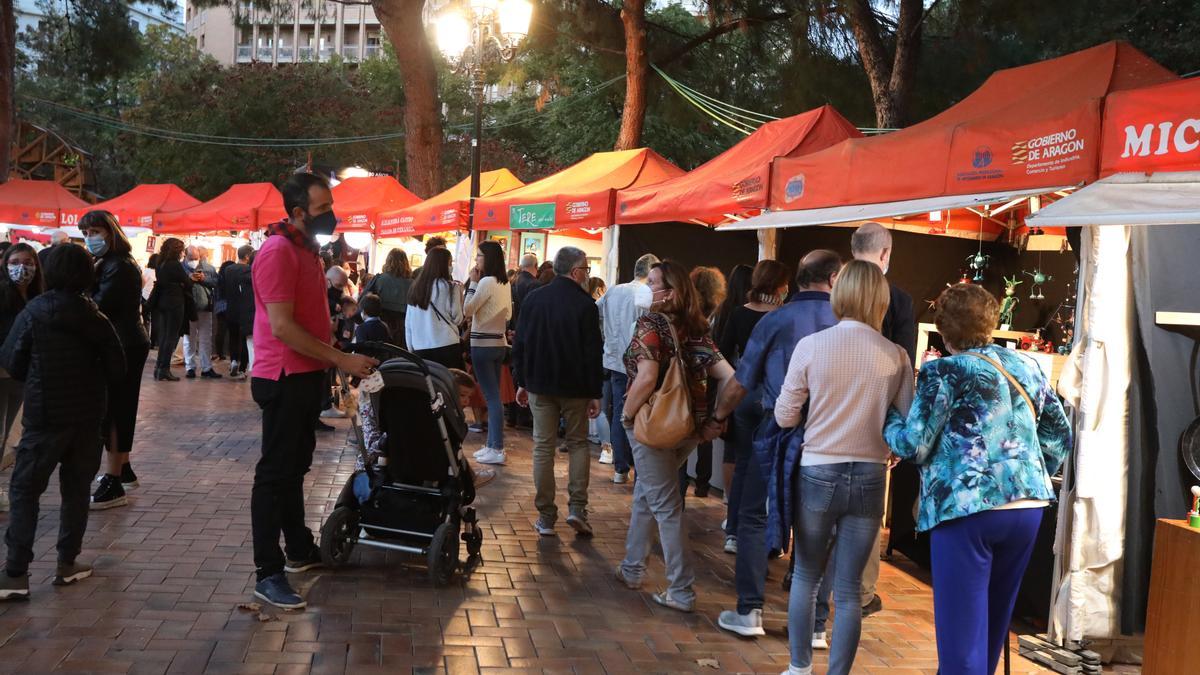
622 451
978 563
847 496
487 362
746 418
750 566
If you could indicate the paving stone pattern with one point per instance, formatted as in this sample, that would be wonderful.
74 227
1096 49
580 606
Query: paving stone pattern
172 568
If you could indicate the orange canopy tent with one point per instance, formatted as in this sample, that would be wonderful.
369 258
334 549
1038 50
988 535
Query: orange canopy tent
36 202
580 196
357 202
1026 131
445 211
137 207
734 183
246 206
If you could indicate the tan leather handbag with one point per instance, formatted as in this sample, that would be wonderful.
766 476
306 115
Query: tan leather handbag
666 421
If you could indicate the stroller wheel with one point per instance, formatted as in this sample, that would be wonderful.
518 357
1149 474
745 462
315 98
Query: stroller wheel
338 535
443 553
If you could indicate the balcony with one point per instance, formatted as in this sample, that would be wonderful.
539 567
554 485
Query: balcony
245 53
264 54
286 54
327 53
373 51
306 54
350 53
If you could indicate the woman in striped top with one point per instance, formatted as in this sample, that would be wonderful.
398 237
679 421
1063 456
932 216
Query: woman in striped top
488 304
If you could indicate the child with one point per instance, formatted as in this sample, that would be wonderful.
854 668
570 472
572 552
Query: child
67 354
347 322
372 329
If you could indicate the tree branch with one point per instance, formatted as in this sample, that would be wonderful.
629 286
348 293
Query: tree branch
716 32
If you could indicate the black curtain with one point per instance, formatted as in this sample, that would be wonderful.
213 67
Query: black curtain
689 244
1162 401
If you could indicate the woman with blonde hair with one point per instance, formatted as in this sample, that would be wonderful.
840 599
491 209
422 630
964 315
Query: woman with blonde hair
674 325
849 375
988 432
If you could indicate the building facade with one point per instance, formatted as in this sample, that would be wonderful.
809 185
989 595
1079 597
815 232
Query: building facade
307 30
143 15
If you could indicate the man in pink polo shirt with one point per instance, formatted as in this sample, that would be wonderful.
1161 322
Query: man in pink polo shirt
292 335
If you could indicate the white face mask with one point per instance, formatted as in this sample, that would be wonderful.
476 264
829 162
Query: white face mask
21 274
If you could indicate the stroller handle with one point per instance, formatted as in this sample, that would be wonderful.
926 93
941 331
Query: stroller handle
384 351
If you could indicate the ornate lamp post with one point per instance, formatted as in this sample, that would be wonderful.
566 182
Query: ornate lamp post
473 34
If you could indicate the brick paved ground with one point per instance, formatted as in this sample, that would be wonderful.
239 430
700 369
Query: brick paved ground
172 567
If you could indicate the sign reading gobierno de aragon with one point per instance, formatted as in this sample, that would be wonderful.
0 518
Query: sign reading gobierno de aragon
1152 129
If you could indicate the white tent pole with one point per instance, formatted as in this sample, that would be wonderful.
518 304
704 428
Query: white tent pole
610 239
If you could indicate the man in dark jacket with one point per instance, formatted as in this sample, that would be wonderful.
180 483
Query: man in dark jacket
235 288
68 355
557 367
525 282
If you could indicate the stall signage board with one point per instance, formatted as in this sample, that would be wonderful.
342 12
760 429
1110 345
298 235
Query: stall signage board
531 216
1153 129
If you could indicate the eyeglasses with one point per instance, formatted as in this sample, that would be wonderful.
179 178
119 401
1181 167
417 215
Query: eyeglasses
586 269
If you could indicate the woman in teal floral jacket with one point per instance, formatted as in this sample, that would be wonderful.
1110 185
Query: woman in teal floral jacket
988 432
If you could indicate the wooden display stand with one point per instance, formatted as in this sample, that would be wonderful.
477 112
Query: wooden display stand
1173 616
1000 336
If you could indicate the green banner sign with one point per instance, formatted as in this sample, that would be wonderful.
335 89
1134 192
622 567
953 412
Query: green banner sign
531 216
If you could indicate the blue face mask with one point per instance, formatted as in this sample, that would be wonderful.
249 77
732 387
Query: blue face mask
97 246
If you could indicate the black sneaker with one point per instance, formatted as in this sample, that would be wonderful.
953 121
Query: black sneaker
322 427
190 374
310 561
109 494
211 374
14 588
873 607
128 477
276 590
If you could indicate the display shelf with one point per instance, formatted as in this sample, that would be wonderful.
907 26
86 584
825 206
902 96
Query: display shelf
1053 364
1185 323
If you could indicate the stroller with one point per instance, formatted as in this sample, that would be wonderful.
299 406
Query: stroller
420 494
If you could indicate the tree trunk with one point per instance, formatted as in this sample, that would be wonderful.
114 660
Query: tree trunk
401 21
8 54
633 115
891 78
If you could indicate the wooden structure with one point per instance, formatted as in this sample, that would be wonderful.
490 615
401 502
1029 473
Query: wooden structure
1173 617
41 154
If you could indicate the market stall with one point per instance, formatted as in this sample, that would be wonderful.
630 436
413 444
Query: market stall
36 202
1138 323
137 207
245 206
358 202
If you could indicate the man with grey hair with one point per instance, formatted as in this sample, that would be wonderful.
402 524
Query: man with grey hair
872 243
197 343
620 308
526 281
556 359
57 237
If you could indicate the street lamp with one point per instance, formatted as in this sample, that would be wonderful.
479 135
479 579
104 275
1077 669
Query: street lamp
473 34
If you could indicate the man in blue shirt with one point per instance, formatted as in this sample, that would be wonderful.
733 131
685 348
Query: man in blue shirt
762 368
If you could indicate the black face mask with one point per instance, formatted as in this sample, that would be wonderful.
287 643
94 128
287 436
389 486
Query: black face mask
323 224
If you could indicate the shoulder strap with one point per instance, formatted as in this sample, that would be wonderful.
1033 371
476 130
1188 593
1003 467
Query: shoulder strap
1011 380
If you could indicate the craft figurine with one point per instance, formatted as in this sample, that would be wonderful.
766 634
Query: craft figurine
978 262
1039 277
1009 304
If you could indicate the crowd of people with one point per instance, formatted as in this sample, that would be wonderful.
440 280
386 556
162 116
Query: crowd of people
807 377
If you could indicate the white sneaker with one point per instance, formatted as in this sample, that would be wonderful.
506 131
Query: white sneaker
493 456
333 413
746 625
620 478
606 454
731 544
793 670
819 641
482 452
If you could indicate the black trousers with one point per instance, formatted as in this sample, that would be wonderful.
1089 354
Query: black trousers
169 326
704 468
290 407
450 356
75 451
237 343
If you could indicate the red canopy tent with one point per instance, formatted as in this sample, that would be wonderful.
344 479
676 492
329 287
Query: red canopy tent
137 207
580 196
358 202
1026 131
445 211
734 184
246 206
36 202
